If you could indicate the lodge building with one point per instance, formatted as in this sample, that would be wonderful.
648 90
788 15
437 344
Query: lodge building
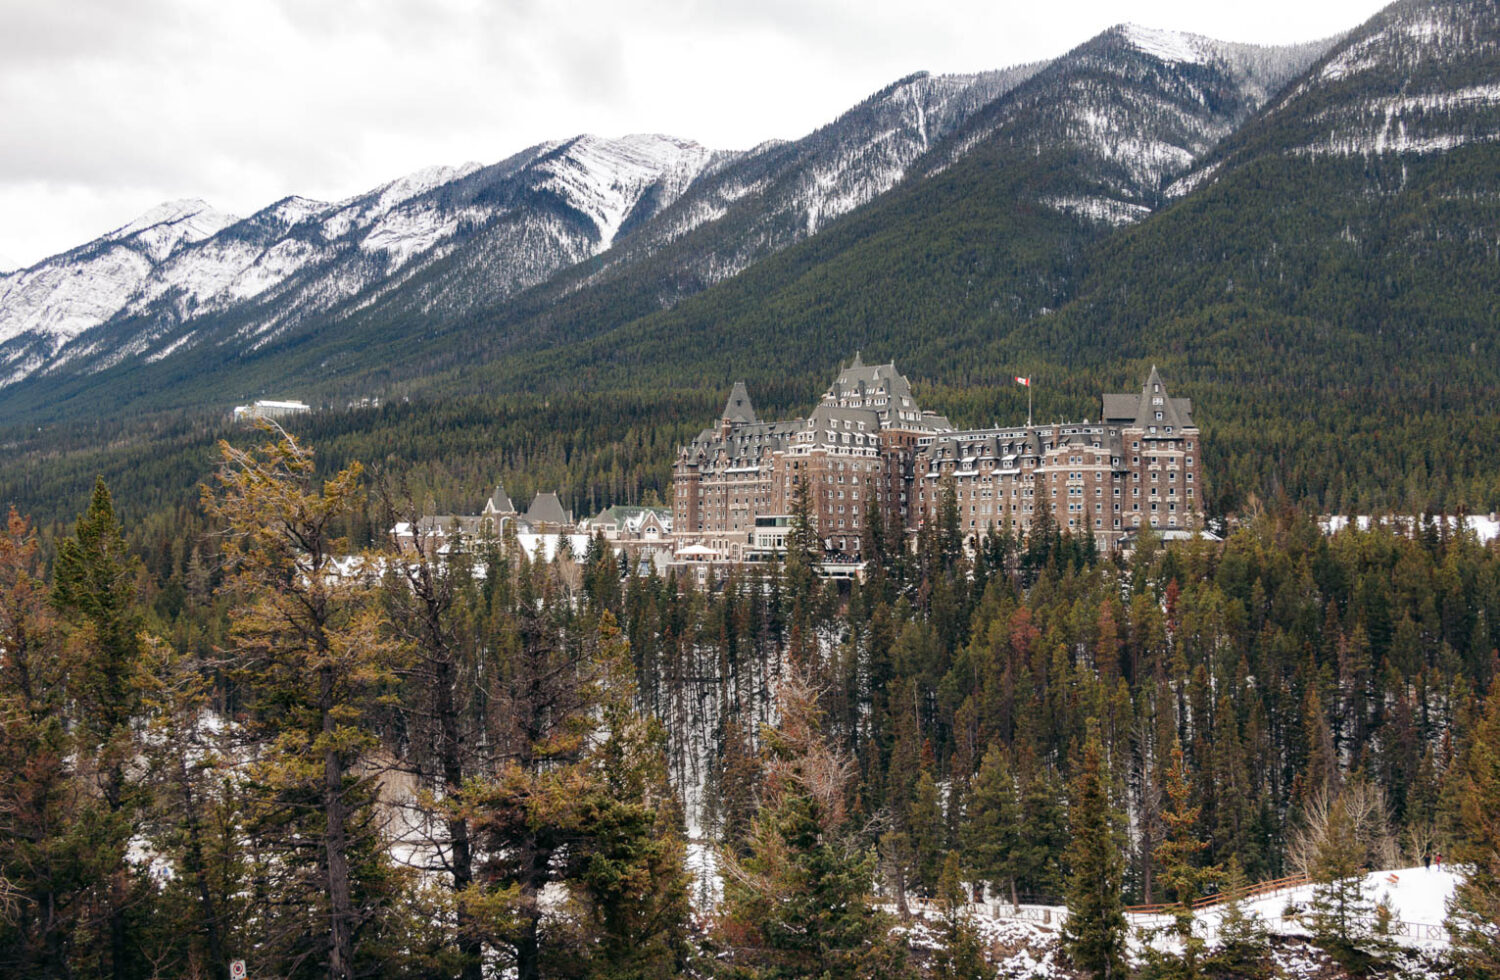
868 450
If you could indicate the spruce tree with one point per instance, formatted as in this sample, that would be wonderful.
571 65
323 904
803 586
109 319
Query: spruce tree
799 903
629 876
195 818
926 830
1094 934
960 956
992 824
430 601
1341 906
1179 871
51 849
94 586
1044 838
1241 949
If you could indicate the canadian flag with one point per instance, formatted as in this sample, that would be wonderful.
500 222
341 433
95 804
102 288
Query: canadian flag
1024 381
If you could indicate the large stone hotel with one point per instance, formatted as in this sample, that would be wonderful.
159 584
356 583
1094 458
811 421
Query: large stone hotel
869 450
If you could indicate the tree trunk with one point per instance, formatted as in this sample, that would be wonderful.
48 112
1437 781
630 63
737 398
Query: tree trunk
196 865
533 879
114 796
462 858
336 847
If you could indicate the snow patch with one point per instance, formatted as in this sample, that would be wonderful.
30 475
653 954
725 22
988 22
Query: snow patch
1101 209
1190 182
1173 47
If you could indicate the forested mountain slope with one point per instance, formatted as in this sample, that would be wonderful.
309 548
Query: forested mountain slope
1331 284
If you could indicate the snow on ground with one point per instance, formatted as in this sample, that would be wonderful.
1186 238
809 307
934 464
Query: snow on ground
1417 898
1024 940
703 867
1485 527
1019 950
546 545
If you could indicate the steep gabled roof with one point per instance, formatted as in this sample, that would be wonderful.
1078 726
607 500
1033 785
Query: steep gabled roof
546 508
499 502
1140 410
738 409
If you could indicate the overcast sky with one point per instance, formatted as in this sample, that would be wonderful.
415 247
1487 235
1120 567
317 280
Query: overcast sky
108 107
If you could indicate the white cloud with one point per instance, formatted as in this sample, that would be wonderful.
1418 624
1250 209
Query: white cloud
111 106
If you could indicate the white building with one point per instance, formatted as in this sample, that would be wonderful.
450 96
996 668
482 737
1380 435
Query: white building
265 409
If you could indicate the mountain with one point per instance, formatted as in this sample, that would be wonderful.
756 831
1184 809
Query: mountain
991 230
547 207
450 240
568 241
1329 275
1145 103
53 302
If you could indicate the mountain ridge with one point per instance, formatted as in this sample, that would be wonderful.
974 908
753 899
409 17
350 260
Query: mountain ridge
588 213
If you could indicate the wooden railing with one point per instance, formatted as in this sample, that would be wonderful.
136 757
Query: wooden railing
1258 890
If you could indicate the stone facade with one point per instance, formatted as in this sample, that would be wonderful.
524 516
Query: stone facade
868 450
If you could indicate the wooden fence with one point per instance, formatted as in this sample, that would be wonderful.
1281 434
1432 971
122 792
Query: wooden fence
1250 892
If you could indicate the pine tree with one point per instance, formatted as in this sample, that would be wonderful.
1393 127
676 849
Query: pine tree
1474 911
1094 934
312 662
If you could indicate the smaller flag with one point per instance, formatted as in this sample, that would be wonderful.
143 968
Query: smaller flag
1024 381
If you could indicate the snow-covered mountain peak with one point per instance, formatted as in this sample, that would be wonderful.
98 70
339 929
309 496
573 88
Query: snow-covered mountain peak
168 212
172 224
418 182
293 210
1173 47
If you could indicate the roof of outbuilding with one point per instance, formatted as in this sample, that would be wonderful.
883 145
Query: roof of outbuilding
546 508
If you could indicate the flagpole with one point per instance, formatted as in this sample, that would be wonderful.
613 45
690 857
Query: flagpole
1028 403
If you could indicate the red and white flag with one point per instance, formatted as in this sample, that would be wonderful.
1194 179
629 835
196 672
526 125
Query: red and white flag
1024 381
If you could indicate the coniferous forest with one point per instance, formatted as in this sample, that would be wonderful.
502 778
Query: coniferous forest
274 739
